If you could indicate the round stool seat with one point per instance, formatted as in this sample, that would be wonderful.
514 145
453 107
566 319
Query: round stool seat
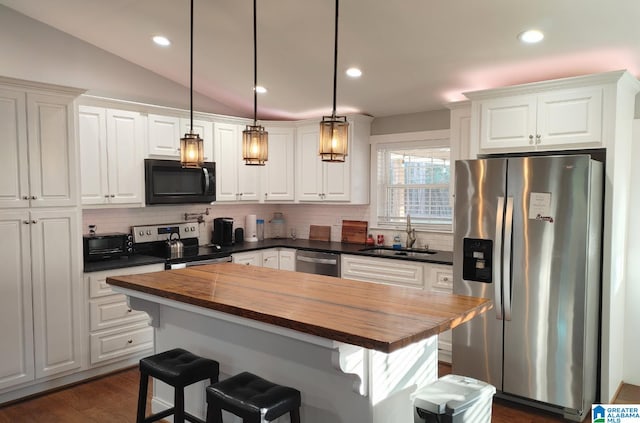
249 396
179 367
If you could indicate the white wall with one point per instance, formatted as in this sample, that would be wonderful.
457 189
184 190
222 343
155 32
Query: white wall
631 334
34 51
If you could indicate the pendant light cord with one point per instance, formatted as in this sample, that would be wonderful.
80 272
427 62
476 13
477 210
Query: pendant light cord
335 64
255 67
191 71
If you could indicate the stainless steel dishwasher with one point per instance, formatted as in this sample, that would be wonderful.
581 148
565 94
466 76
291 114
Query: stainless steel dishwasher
318 263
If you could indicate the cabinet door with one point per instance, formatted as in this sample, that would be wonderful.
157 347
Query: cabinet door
441 280
14 165
309 167
52 150
57 290
204 129
125 136
92 127
287 259
508 122
570 117
164 136
249 179
252 258
271 258
226 145
387 271
16 324
337 181
280 168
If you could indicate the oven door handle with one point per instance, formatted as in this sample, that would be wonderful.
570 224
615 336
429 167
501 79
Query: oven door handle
199 262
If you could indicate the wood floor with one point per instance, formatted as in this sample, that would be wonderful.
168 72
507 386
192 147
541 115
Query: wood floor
113 399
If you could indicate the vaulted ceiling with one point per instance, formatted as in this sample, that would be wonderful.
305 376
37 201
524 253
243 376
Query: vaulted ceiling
415 55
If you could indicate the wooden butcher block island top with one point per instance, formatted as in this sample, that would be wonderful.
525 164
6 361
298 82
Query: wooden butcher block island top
375 316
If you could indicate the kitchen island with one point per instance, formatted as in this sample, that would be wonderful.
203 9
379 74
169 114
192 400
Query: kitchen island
355 350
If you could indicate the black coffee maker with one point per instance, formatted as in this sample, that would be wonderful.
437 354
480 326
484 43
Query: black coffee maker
223 231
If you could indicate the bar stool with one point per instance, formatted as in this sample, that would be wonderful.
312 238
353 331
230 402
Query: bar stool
252 398
178 368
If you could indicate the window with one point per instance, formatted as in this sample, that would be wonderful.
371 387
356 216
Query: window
413 179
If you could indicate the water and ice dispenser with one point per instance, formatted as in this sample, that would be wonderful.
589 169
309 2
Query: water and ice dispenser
477 262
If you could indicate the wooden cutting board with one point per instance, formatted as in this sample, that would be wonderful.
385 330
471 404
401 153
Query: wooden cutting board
354 231
319 233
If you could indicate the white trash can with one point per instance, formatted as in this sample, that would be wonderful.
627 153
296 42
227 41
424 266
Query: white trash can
454 399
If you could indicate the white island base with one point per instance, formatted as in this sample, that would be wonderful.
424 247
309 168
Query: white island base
340 383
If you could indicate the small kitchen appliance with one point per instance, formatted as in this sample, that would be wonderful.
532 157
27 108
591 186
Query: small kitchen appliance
250 228
160 241
106 246
223 231
167 182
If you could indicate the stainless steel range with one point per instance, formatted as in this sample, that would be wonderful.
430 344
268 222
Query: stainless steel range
161 240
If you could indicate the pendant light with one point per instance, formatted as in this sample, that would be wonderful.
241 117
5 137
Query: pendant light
334 129
255 150
191 145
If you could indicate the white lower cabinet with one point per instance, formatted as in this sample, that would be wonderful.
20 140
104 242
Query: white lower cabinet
440 279
434 277
39 306
116 332
274 258
381 270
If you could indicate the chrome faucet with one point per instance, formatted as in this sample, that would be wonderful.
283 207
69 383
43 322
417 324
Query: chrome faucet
411 233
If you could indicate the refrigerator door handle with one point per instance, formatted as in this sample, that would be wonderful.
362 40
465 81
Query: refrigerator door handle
506 259
497 258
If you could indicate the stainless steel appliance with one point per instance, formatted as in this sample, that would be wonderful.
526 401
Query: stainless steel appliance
167 182
527 235
223 231
319 263
106 246
158 240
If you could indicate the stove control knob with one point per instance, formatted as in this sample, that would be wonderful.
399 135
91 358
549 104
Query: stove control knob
148 231
193 228
141 233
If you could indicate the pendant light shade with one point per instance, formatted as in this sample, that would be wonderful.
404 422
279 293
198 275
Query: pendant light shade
191 145
255 151
334 130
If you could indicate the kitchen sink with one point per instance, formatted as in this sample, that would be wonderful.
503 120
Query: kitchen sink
388 251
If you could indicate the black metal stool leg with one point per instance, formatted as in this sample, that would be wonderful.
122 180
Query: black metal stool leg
214 414
142 397
178 404
295 415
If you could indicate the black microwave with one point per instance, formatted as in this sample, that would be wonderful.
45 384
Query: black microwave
167 182
106 246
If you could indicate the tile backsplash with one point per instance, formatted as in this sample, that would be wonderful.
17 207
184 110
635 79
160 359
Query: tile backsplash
298 217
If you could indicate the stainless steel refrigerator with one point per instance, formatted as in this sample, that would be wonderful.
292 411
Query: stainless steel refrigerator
527 235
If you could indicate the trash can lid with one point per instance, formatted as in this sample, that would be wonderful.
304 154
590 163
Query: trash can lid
452 393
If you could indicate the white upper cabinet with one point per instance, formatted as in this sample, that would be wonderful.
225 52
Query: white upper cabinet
111 143
163 136
570 113
280 169
346 182
164 133
38 151
234 180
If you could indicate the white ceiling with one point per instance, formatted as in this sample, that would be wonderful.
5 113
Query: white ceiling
416 55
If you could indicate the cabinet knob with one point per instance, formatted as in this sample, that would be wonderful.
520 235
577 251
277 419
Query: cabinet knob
106 196
129 310
33 222
112 195
538 138
247 264
33 197
530 139
130 341
26 222
25 197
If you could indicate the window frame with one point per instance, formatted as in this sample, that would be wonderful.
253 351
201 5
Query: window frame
424 139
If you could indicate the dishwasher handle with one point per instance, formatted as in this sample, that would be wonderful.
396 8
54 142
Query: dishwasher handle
317 260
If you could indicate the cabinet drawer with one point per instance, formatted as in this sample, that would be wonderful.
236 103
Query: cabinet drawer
113 311
118 344
389 271
443 280
97 281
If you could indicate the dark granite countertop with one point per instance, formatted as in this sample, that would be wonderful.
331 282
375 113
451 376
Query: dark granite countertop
439 257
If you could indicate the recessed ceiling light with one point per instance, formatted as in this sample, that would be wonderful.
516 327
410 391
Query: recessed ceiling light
354 72
260 89
531 36
161 41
